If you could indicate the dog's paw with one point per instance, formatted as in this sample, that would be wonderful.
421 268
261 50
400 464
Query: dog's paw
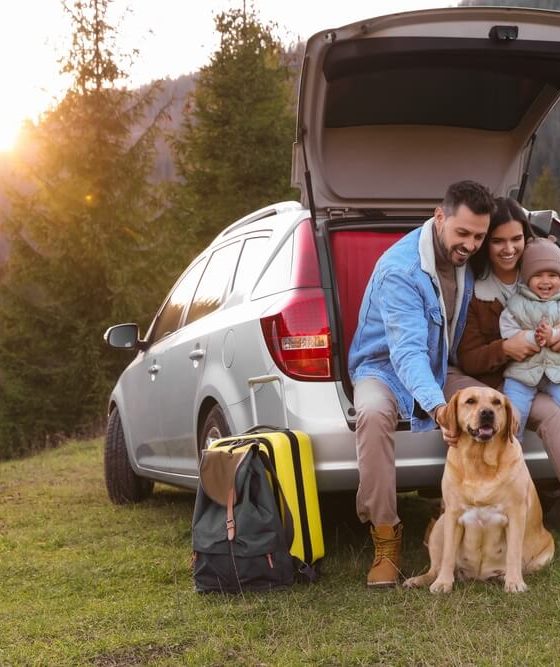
412 582
441 586
515 586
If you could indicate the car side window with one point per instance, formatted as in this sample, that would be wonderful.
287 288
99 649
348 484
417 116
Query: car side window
169 317
278 274
217 275
250 261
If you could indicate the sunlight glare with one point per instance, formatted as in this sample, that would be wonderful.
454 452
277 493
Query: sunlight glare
10 127
29 76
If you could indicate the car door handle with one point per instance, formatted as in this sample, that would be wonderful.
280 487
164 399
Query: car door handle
154 368
196 354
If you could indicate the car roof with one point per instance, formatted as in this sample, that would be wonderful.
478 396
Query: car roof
269 217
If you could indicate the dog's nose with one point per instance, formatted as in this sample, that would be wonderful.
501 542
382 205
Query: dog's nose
487 414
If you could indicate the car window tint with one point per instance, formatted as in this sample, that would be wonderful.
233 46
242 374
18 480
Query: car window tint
215 279
250 261
278 274
170 316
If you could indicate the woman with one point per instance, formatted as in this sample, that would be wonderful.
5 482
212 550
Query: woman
482 352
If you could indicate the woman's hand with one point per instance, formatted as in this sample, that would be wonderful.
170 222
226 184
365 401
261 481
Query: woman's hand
518 347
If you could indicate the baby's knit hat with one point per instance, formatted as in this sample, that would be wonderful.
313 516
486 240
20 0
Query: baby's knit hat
539 255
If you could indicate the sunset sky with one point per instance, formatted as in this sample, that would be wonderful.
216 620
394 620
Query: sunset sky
174 37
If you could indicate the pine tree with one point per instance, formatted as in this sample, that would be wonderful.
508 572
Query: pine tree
86 249
233 153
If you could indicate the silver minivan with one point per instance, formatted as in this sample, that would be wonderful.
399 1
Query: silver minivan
391 110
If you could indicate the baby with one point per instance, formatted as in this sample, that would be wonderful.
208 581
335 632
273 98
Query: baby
535 309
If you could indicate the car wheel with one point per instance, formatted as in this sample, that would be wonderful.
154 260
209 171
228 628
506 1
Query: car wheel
215 427
123 484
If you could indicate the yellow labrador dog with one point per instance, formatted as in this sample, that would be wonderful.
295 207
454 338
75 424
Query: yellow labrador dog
492 524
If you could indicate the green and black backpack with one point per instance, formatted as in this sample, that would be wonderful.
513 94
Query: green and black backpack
239 541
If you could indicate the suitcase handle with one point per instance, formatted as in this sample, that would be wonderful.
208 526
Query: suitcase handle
263 379
262 428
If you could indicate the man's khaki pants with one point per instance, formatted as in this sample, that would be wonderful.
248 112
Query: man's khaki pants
377 418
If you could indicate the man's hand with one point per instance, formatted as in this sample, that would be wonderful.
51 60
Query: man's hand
544 334
449 436
518 347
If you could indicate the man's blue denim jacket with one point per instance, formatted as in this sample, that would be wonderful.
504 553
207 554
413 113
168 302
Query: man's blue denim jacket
402 336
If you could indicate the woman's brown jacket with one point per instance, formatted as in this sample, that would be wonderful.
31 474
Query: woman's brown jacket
481 352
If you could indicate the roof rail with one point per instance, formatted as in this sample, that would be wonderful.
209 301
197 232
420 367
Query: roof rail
266 212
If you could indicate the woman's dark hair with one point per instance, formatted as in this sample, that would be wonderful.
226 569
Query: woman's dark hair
506 210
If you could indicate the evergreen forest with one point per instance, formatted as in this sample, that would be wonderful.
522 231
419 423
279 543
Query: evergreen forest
110 196
113 192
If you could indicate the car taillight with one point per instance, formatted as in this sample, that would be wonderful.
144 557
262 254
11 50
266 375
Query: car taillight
298 336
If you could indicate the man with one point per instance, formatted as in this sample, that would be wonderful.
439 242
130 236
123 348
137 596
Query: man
410 322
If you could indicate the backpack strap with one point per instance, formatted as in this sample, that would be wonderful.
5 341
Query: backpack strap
230 520
288 521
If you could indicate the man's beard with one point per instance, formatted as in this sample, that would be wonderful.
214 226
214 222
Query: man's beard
458 259
450 253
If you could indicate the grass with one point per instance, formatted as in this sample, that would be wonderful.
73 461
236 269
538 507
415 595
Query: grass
83 582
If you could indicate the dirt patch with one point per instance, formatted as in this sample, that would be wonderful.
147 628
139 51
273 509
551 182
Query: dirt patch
139 655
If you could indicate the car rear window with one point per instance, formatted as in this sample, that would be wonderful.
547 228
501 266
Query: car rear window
278 274
428 81
250 261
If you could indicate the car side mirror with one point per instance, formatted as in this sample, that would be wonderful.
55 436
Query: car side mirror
124 337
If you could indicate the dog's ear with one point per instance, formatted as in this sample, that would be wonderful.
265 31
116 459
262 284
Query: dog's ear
512 420
448 417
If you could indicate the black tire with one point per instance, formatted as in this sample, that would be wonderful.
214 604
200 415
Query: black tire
215 426
123 484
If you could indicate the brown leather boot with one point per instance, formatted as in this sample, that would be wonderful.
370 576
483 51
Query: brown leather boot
384 571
